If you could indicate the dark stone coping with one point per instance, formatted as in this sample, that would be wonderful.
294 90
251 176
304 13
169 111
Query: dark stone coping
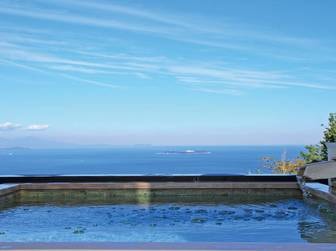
145 178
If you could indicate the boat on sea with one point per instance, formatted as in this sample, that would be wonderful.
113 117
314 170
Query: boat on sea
189 151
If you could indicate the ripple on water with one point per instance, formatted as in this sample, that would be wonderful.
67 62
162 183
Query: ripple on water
162 222
199 220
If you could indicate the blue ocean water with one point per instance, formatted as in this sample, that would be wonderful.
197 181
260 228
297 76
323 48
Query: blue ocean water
142 160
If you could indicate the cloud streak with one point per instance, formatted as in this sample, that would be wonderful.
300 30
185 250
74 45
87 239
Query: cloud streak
9 126
63 75
182 27
86 62
37 127
231 92
192 73
81 20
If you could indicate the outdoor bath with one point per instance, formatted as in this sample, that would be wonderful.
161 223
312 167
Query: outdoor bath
162 209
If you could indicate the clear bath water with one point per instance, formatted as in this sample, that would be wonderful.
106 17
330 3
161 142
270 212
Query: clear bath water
283 220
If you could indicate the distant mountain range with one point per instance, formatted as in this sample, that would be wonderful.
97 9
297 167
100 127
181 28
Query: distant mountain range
32 142
38 143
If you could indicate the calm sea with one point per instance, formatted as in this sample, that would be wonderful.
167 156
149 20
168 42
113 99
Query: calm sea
142 160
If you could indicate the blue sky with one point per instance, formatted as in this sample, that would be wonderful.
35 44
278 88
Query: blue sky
167 72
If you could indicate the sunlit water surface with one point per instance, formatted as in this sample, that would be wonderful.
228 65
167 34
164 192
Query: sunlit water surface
147 160
285 220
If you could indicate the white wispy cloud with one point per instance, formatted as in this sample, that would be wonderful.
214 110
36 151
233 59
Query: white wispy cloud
88 81
154 22
79 69
231 92
241 77
67 76
83 63
192 23
122 57
83 20
183 71
181 27
142 75
16 52
8 126
112 7
37 127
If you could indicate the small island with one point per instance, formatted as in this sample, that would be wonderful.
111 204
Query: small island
185 152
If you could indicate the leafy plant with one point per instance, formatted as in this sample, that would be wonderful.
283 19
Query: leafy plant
283 166
313 154
329 135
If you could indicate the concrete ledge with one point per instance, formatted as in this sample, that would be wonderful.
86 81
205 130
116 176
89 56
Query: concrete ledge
192 186
6 189
319 170
320 191
146 192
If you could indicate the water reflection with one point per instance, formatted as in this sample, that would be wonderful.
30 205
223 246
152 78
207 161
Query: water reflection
158 219
319 224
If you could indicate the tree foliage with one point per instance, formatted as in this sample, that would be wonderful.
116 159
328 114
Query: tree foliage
283 166
315 153
329 135
312 154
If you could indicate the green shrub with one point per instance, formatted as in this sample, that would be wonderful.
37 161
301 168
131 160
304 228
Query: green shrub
329 135
312 154
283 166
315 153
